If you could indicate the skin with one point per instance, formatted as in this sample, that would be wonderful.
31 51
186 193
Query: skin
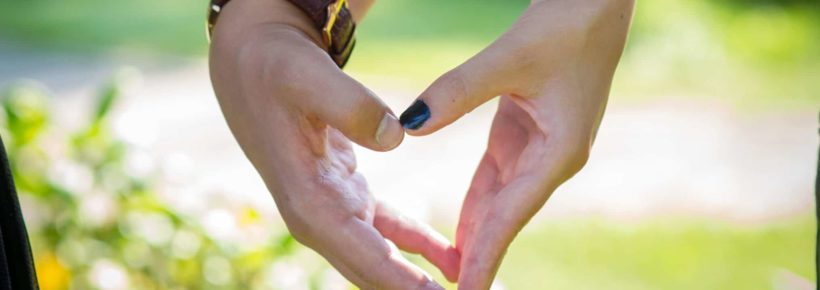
553 70
289 107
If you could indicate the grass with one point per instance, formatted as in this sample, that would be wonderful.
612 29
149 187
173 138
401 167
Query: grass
665 253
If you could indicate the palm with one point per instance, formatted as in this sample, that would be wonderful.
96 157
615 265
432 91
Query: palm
340 218
507 189
336 187
557 64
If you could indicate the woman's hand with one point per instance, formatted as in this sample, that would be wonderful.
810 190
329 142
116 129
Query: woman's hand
553 69
292 111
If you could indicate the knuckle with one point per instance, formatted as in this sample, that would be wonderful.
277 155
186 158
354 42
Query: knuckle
282 74
576 157
581 158
304 220
300 236
308 223
298 227
267 63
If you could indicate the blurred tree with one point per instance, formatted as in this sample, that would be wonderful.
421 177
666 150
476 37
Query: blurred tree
95 225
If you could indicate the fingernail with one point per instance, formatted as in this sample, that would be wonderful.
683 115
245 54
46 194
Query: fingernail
415 116
389 134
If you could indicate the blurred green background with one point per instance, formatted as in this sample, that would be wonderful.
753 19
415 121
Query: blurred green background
755 51
757 56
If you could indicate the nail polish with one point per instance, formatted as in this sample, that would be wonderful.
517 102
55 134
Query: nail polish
415 116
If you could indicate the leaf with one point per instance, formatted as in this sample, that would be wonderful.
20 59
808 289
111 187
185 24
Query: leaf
26 111
109 94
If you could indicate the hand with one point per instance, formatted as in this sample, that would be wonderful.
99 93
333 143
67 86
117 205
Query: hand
554 68
292 111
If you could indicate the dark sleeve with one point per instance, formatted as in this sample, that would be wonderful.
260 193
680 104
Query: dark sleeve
817 213
16 265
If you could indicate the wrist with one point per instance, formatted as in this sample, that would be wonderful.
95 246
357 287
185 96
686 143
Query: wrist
334 21
240 18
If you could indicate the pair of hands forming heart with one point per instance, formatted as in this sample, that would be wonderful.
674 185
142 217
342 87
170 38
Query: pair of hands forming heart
293 113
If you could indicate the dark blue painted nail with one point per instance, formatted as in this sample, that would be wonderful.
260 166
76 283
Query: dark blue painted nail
415 116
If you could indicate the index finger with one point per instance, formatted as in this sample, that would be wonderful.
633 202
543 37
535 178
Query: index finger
363 256
417 238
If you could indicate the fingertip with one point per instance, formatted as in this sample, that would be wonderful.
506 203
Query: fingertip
414 117
390 132
420 119
453 268
443 255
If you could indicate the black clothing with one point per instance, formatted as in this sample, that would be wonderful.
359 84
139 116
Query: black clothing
817 212
16 264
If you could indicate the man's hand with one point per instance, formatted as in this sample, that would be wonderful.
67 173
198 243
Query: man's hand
553 69
292 111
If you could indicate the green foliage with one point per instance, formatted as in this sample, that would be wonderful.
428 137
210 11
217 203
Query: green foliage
749 52
88 215
82 25
759 51
71 244
758 55
24 118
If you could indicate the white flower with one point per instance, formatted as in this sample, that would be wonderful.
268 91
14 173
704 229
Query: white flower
220 224
185 244
156 229
98 208
217 270
76 178
108 275
287 276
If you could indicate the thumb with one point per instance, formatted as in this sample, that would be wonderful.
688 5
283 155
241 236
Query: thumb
458 92
347 105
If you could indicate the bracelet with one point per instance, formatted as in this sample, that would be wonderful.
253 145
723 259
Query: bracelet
331 17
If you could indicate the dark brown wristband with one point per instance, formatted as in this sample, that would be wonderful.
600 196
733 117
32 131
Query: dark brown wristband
331 17
214 8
